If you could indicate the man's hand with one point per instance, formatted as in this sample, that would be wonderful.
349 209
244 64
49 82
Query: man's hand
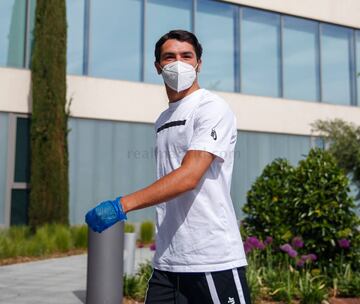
105 214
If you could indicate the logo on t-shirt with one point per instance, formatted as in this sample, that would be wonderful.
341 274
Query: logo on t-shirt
231 300
213 134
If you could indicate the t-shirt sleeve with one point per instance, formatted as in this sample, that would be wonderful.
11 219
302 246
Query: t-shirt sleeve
214 130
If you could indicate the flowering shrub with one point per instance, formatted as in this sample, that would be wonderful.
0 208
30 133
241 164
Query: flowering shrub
309 202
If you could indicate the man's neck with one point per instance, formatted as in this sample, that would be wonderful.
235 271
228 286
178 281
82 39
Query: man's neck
174 96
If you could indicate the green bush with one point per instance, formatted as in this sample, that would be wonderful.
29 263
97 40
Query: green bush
135 286
48 239
310 201
79 236
347 283
268 201
147 231
322 210
312 289
129 227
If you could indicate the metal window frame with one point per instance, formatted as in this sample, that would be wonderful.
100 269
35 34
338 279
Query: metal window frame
143 41
320 50
281 55
10 174
27 44
353 68
237 47
86 41
193 16
357 68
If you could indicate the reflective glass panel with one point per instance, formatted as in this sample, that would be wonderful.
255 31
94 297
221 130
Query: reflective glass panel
215 24
260 52
75 36
22 150
12 32
19 207
163 16
115 39
335 64
300 59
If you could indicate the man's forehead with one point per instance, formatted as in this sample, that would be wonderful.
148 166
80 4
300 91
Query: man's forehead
176 46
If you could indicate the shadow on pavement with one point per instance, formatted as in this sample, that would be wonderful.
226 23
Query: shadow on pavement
80 294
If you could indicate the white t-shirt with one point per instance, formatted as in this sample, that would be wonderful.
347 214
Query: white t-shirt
197 231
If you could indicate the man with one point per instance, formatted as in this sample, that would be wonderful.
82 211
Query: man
199 254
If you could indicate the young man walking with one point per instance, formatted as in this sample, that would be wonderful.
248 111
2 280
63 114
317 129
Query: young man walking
199 254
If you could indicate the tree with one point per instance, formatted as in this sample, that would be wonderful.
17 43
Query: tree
49 185
343 142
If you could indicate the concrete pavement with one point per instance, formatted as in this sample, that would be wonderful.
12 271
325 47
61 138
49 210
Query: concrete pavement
52 281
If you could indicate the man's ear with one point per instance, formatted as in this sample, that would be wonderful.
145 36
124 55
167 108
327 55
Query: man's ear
199 63
158 67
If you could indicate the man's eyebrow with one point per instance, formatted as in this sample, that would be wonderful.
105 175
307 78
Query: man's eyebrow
182 53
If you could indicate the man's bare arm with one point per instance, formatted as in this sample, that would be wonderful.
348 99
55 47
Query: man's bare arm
185 178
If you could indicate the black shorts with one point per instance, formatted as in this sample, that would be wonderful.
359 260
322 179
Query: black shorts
219 287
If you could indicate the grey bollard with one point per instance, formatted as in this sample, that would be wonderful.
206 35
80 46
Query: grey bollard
105 266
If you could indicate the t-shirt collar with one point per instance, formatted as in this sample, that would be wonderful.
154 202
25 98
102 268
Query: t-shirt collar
175 104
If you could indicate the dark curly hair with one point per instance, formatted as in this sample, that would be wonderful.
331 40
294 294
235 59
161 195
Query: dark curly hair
180 35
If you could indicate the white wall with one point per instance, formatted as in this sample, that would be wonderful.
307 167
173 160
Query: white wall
344 12
139 102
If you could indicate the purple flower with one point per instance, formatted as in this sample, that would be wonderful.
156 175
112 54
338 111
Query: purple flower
153 247
297 242
268 240
344 243
289 250
300 263
308 258
292 253
254 242
312 257
247 247
286 248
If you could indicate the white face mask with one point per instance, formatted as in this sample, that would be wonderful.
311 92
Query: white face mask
179 75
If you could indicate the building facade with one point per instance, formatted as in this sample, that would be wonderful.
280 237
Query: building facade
280 65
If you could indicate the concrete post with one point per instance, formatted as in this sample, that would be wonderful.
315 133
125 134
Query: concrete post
105 266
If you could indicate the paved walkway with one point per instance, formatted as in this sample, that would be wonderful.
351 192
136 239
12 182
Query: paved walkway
52 281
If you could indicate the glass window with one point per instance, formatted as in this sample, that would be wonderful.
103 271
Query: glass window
22 151
215 25
163 16
19 207
358 66
335 64
300 59
12 32
115 39
75 36
260 52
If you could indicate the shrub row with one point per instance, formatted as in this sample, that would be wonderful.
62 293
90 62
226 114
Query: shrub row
19 241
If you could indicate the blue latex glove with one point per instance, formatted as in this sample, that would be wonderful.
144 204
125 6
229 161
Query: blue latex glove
105 214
